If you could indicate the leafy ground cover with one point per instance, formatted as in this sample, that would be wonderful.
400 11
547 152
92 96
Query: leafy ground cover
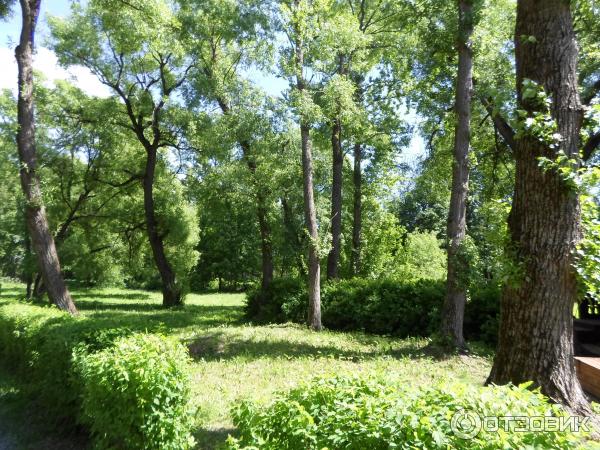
234 360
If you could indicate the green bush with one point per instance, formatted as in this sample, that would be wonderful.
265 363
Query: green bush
136 393
355 413
399 308
44 347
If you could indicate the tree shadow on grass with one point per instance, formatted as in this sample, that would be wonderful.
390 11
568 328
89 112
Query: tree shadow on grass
219 345
212 438
82 296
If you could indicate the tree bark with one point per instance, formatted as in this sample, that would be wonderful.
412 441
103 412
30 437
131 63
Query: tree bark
333 259
456 289
310 213
172 295
357 211
37 222
536 326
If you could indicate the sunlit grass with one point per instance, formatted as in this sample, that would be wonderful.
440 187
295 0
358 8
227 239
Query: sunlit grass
234 360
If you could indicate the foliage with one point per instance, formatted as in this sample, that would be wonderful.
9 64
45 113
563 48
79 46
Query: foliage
384 306
357 413
136 393
67 362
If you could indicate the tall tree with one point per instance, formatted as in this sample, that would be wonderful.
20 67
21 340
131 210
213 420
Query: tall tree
536 326
456 290
124 44
227 35
37 222
299 25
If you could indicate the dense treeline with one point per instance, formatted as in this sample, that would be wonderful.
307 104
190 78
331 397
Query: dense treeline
190 175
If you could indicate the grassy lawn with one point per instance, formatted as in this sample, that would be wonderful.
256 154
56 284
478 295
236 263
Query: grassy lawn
234 360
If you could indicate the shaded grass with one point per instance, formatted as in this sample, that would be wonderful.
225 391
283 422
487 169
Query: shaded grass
233 360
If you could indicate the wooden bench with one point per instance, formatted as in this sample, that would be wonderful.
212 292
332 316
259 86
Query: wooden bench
588 371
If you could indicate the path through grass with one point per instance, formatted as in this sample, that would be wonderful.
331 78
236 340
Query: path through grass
234 360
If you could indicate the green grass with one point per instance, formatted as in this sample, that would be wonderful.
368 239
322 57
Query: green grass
235 360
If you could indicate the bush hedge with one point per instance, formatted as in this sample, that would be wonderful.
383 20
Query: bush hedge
399 308
367 413
69 364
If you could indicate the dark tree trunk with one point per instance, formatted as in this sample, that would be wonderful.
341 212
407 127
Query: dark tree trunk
310 213
37 223
172 295
265 242
536 326
357 211
456 289
292 234
333 259
261 211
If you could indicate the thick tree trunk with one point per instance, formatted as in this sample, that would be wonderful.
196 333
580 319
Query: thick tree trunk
536 326
172 295
310 213
456 289
333 259
357 211
37 223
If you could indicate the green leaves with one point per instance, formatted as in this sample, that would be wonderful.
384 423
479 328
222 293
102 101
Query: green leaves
366 412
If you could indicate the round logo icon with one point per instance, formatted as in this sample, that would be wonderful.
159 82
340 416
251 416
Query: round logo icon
465 424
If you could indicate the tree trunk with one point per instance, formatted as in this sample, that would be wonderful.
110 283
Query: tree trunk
172 295
261 210
265 242
292 234
357 211
333 259
310 213
456 289
536 325
37 222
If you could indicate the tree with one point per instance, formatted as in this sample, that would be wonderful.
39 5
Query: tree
42 240
125 45
536 327
227 35
298 28
456 291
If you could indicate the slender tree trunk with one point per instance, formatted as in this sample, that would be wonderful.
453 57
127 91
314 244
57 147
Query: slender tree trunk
536 326
37 222
333 259
292 233
357 211
310 213
172 295
261 211
456 289
265 242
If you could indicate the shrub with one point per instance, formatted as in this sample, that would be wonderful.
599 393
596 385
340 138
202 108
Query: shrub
136 393
399 308
355 413
51 351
